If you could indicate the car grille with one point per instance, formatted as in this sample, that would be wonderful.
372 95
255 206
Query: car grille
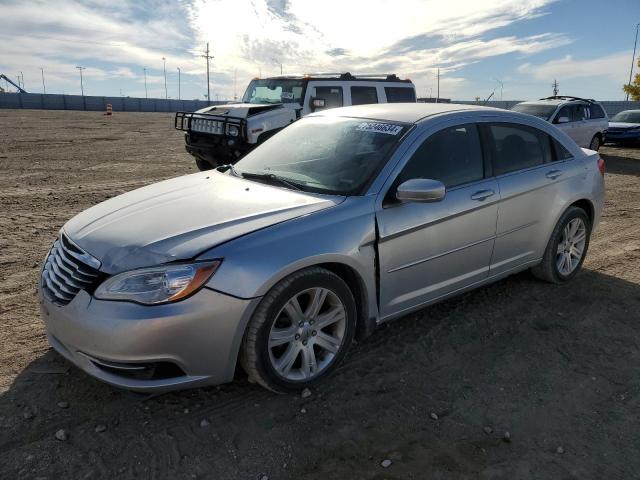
68 270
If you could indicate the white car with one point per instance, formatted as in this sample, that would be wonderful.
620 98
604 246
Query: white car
585 121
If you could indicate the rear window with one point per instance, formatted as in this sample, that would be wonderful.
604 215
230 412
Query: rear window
364 95
517 147
400 94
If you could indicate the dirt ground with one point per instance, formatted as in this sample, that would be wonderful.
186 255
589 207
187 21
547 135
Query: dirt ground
434 393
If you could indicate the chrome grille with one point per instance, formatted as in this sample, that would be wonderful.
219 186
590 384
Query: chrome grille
68 270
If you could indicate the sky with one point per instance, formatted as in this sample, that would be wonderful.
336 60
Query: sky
514 49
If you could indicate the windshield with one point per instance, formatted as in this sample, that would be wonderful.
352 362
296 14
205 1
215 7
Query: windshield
275 90
541 111
324 154
628 116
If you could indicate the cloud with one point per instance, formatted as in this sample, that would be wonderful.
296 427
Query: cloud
614 66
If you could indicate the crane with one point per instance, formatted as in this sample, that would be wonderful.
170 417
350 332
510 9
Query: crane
4 77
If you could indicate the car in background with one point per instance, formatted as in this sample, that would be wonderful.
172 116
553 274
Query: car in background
347 219
624 128
585 121
223 134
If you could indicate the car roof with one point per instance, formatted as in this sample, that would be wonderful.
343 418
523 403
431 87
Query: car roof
400 112
547 101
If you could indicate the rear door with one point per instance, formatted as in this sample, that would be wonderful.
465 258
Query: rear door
427 250
530 167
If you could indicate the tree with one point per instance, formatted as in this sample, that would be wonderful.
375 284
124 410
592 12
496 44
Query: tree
634 89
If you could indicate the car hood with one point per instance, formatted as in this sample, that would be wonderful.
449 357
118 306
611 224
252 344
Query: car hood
623 125
240 110
179 218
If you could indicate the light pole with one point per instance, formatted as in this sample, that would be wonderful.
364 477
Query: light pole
164 67
178 83
44 88
81 83
22 76
633 58
146 95
501 87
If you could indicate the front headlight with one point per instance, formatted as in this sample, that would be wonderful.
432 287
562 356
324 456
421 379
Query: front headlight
233 130
155 285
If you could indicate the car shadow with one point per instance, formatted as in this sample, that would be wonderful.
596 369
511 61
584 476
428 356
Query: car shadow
620 165
434 391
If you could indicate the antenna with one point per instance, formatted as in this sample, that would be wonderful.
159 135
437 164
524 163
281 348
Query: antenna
555 87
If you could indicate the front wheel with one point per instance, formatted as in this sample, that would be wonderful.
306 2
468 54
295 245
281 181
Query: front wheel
300 331
567 247
203 165
596 141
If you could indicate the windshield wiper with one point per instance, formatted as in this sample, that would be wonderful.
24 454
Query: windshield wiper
271 177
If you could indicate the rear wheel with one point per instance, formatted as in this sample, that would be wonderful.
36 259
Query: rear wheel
596 141
567 247
300 331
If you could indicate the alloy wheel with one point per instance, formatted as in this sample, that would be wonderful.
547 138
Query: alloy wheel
571 246
307 334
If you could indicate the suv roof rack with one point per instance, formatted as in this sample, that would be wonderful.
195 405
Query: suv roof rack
389 77
568 97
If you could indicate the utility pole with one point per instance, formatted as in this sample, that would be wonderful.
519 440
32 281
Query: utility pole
81 84
438 91
178 83
555 87
44 88
208 57
501 87
633 58
164 67
146 95
235 92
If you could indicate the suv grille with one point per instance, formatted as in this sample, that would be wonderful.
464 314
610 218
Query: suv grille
68 270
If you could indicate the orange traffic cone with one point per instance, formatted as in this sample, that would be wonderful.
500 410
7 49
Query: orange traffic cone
109 109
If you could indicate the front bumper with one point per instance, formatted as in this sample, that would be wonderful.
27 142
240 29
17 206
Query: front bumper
189 343
622 136
216 149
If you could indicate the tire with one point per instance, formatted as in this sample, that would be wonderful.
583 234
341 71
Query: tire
596 142
275 340
203 165
553 268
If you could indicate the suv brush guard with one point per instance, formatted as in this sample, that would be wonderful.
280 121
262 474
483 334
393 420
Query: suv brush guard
183 121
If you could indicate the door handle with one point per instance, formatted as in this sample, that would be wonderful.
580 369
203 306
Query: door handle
482 194
553 174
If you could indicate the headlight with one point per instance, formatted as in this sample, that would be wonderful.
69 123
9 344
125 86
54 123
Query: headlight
163 284
233 130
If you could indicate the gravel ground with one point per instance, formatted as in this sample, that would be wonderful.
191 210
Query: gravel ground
520 379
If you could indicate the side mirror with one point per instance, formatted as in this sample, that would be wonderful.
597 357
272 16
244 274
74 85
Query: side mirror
421 190
317 103
562 120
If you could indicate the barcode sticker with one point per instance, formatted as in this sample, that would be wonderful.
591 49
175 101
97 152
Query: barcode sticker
386 128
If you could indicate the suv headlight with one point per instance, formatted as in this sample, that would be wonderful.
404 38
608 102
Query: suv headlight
233 130
155 285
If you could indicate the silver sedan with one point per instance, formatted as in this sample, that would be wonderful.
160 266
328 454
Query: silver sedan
344 220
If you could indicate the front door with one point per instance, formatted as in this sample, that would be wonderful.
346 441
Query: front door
428 250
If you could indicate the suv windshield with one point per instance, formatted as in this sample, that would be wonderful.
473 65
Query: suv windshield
324 154
541 111
274 90
628 116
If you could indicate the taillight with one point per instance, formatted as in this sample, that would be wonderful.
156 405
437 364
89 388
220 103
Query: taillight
601 166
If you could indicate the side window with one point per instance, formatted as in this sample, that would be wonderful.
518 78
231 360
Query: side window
560 152
332 96
452 155
517 147
579 113
564 112
363 95
400 94
596 111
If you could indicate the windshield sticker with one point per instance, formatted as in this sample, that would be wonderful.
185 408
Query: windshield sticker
287 95
386 128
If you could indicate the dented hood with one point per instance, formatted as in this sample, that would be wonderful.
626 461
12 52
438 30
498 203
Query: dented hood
240 110
179 218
